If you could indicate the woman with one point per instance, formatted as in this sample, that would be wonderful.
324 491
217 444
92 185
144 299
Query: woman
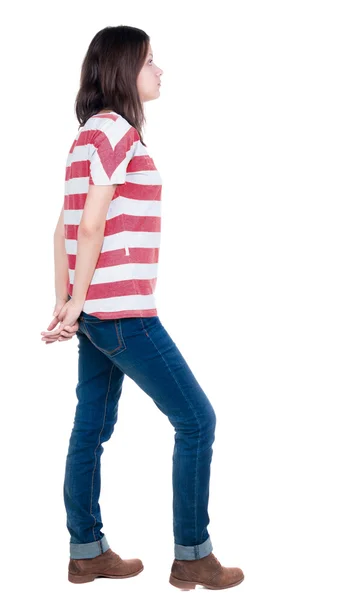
106 247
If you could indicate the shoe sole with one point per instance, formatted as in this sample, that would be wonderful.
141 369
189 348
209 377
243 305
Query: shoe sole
91 576
190 585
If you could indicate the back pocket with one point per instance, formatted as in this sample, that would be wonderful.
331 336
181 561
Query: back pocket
105 334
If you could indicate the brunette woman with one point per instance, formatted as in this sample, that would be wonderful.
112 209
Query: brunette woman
106 248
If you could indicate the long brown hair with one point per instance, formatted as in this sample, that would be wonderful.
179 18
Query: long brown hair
109 74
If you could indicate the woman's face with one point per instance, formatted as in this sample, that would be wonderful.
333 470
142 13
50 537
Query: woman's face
148 81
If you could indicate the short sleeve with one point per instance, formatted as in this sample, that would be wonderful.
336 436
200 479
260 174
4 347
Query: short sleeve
110 152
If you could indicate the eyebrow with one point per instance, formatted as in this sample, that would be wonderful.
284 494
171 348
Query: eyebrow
150 54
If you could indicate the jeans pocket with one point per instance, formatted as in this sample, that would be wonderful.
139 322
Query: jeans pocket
105 334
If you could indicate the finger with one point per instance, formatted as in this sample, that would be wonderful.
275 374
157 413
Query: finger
51 331
53 323
50 334
67 327
72 327
65 334
49 340
64 339
60 329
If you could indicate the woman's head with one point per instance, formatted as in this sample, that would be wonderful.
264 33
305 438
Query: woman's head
118 73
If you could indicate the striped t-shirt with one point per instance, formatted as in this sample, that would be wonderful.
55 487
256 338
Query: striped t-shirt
107 150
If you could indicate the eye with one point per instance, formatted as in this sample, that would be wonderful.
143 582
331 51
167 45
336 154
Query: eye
151 60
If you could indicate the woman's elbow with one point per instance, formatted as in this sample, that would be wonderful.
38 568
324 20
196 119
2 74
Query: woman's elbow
90 230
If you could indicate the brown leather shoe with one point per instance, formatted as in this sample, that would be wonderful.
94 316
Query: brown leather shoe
107 564
206 571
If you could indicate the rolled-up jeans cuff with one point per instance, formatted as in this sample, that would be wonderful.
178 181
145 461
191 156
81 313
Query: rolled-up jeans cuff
193 552
89 550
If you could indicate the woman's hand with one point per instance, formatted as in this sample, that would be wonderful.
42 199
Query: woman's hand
66 313
59 303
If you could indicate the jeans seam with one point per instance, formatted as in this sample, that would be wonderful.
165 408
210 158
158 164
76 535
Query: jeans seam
145 331
121 342
95 463
108 353
196 549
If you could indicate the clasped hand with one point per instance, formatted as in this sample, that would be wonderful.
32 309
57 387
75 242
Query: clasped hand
66 315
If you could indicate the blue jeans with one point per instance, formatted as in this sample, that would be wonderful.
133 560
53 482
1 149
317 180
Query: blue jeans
141 348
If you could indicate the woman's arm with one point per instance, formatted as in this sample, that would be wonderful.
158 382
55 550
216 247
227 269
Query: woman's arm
89 243
90 238
60 261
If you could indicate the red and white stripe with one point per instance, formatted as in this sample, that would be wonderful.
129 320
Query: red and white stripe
125 275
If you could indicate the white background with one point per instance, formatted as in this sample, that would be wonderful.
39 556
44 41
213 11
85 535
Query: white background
256 135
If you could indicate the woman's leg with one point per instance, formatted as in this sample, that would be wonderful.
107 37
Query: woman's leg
98 390
145 352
